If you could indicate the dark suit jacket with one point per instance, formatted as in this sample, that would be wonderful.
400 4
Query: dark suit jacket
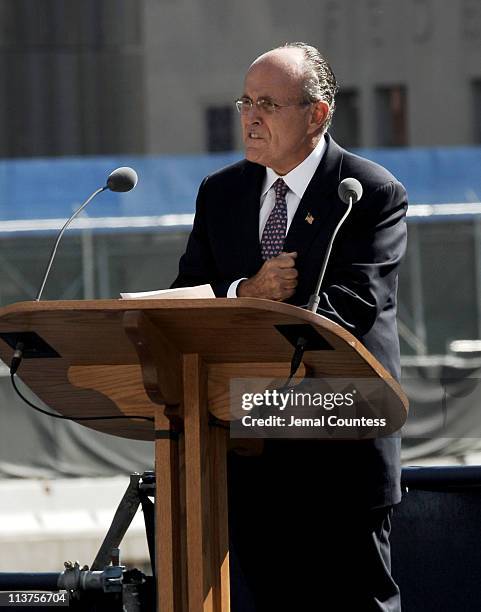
358 292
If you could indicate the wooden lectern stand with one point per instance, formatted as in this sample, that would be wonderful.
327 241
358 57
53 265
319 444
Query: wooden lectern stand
172 360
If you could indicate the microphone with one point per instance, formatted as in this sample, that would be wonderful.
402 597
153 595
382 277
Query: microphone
349 192
121 179
349 188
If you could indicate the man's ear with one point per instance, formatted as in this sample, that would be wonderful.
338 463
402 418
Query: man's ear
319 113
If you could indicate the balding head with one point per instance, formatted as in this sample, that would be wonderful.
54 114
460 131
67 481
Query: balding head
288 59
281 121
279 72
306 63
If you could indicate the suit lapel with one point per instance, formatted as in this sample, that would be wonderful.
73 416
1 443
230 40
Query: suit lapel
319 203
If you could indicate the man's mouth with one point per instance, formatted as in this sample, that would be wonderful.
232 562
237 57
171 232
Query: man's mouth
254 136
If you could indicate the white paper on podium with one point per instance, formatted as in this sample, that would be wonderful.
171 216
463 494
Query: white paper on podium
185 293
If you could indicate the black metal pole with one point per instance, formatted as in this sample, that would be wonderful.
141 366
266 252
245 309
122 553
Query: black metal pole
29 581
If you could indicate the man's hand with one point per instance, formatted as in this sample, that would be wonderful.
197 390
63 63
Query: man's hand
276 280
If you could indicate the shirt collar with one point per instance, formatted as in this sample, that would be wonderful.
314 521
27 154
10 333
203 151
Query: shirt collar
298 178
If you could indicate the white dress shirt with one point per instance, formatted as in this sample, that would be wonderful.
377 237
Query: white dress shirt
297 180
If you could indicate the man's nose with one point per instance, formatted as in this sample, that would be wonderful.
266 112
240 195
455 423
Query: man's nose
253 116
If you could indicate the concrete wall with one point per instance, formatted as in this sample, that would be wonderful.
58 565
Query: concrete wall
196 53
46 522
71 77
136 76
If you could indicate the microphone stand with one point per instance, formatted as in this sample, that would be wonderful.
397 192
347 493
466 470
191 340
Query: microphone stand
59 237
315 298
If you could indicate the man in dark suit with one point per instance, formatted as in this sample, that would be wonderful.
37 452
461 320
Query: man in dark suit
261 229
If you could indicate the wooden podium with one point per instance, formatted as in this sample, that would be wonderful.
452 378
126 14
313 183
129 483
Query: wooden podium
173 360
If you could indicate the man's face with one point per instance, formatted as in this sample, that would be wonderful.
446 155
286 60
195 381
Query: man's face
280 140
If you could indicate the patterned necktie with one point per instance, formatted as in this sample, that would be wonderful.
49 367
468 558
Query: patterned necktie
275 229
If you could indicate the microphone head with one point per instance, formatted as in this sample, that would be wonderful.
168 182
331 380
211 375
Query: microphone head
350 188
122 179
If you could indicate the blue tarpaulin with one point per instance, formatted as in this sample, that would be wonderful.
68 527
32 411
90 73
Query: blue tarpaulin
49 188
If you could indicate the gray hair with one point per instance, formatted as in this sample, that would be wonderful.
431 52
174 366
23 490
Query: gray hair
320 82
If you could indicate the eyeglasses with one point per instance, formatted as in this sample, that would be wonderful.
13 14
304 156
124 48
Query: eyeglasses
245 104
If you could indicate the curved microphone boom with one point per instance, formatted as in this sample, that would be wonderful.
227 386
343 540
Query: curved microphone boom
121 179
349 192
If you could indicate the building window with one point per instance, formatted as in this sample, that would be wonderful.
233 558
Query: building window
476 87
220 128
345 125
391 116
